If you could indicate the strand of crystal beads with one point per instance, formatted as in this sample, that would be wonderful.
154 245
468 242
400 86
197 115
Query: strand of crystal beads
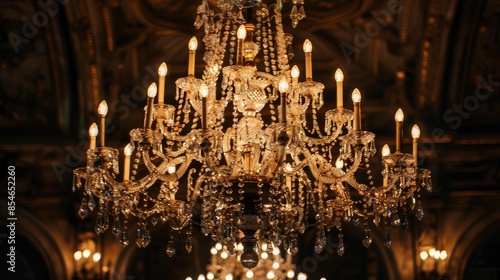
281 43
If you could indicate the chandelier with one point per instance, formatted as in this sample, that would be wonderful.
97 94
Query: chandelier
243 154
224 266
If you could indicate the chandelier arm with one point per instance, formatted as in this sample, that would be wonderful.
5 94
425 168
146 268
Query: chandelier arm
324 140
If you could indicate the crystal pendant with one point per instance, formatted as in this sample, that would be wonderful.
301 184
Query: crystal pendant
124 240
419 214
367 241
143 237
189 244
341 248
293 248
170 247
83 211
116 227
387 241
91 203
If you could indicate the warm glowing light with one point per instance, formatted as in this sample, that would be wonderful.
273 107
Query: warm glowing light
264 255
102 110
339 163
288 168
203 91
399 116
86 253
301 276
356 96
283 85
152 90
229 276
240 247
77 255
270 274
201 277
295 73
308 47
249 274
443 255
213 251
93 130
127 150
386 150
96 257
415 132
339 75
224 255
424 255
242 32
322 278
210 276
189 278
432 251
162 70
290 274
276 251
437 254
193 44
276 265
218 246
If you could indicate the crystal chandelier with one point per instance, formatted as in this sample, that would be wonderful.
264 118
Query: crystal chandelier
224 266
243 155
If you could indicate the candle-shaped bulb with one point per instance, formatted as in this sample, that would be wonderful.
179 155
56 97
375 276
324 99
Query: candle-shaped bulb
283 85
339 163
193 44
242 32
415 132
203 91
399 116
171 169
127 151
356 96
386 150
102 110
295 73
339 75
93 130
152 90
308 47
162 70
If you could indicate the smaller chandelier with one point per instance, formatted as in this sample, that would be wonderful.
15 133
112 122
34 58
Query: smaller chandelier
273 266
242 155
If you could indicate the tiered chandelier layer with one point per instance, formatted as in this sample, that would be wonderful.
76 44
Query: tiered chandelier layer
242 155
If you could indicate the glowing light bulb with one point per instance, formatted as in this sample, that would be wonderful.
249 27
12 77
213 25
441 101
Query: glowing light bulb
152 90
270 274
399 116
93 130
290 274
210 276
301 276
283 86
415 132
224 255
432 251
229 276
203 91
356 96
386 150
308 47
162 70
102 110
86 253
77 255
218 246
242 32
295 73
424 255
249 274
193 44
339 163
443 255
339 75
201 277
96 257
128 150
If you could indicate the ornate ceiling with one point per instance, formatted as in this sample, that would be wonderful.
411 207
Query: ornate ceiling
437 59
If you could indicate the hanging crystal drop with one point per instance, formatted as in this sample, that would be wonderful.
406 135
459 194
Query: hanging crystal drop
116 227
368 238
404 222
395 221
154 220
98 228
124 240
419 214
376 218
387 241
83 211
341 248
270 247
170 247
293 248
189 244
302 13
198 22
91 203
240 18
